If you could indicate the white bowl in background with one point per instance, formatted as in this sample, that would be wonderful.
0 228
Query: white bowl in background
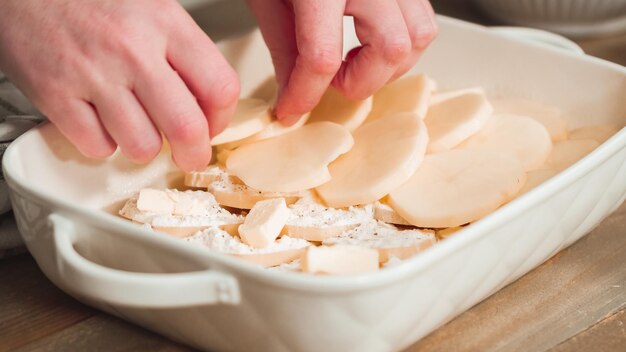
573 18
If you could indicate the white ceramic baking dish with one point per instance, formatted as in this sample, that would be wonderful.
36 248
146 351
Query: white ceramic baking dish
212 301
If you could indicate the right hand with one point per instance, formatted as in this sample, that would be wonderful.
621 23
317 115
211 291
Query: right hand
117 72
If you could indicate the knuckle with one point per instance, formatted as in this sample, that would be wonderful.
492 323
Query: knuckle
228 90
422 37
322 60
396 49
142 149
187 128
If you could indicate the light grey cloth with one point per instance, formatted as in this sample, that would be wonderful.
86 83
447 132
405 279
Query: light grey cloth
17 115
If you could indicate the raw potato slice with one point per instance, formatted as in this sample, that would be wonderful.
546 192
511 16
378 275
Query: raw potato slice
387 239
386 153
339 260
566 153
236 195
284 250
445 233
292 162
274 129
251 116
312 221
438 97
334 107
186 231
457 187
520 136
268 260
550 117
535 178
212 173
203 212
598 133
407 94
385 213
222 154
454 120
264 223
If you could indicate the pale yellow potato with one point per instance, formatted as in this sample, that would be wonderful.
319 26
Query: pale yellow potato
267 260
250 117
447 232
521 136
274 129
456 187
407 94
388 240
438 97
316 233
549 116
385 213
454 120
566 153
334 107
244 197
203 178
599 133
386 153
291 162
264 223
339 260
535 178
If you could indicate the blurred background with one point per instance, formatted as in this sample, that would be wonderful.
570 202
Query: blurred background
598 26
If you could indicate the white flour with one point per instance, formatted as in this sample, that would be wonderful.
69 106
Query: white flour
309 212
205 212
377 234
219 240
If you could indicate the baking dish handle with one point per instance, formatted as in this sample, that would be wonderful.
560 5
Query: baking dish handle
132 289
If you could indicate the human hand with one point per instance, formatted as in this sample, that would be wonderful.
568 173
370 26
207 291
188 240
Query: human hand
305 41
116 72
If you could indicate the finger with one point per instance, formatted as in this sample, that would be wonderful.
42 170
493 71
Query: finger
319 36
385 43
207 74
422 27
277 25
175 111
78 121
128 124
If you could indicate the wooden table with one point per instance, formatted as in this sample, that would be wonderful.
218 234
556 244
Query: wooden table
576 301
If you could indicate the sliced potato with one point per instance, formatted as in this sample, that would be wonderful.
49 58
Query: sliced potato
334 107
454 120
520 136
535 178
566 153
250 117
407 94
550 117
292 162
438 97
457 187
386 153
599 133
274 129
386 214
212 173
387 239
